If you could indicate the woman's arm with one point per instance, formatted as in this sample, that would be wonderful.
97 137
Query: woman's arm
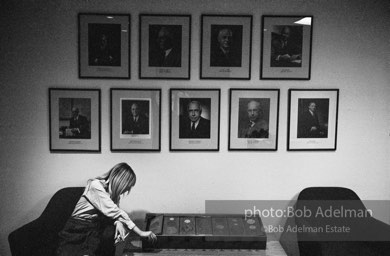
100 199
149 234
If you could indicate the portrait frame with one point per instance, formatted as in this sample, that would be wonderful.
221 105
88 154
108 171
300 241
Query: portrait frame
213 61
253 137
206 137
177 61
104 45
67 135
145 135
316 130
283 59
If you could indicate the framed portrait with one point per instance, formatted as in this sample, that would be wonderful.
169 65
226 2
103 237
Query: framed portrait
194 119
226 47
286 47
164 46
104 45
312 121
253 119
135 119
74 116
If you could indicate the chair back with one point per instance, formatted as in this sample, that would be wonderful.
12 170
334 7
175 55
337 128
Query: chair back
327 193
60 207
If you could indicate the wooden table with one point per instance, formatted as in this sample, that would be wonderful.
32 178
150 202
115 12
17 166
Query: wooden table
132 247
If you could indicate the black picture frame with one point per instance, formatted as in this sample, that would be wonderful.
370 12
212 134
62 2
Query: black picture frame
74 120
204 105
226 47
104 45
316 131
169 31
286 47
128 134
253 119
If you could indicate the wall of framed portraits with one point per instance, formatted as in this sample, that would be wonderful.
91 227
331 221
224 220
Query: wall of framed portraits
40 62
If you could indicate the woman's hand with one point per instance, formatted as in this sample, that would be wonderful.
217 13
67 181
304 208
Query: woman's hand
120 232
150 235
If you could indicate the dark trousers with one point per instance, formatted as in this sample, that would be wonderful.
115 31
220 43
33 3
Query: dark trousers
79 238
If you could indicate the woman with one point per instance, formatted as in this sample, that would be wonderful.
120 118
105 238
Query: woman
82 232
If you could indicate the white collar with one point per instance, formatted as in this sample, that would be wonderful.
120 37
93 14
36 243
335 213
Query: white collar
196 123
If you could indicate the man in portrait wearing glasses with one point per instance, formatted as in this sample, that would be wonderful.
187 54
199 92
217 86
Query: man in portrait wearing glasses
256 126
192 124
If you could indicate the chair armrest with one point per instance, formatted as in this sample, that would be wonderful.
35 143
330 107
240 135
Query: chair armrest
31 237
25 238
376 230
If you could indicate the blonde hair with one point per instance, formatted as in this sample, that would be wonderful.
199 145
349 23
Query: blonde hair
121 178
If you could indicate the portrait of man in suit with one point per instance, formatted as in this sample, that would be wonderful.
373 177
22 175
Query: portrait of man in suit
79 124
286 46
253 118
313 118
165 45
226 46
104 44
135 117
75 118
195 118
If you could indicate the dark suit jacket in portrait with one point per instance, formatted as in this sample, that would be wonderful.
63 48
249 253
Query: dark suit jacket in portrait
258 129
141 126
104 58
159 59
219 59
280 47
202 131
305 122
81 123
